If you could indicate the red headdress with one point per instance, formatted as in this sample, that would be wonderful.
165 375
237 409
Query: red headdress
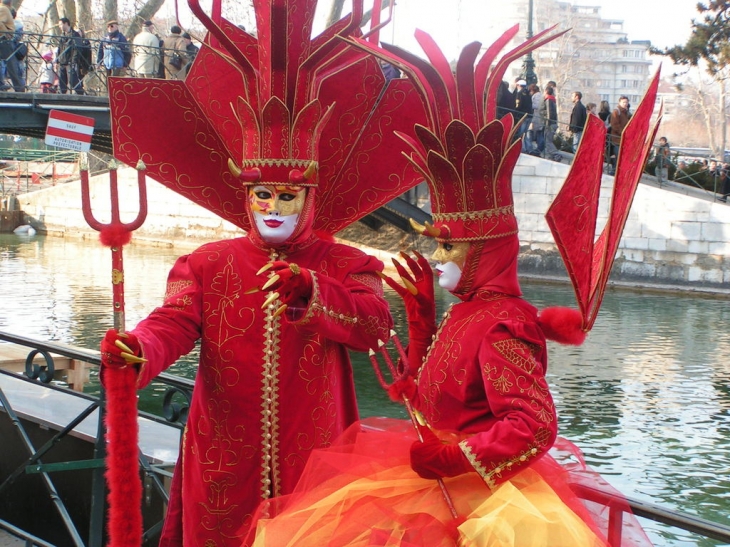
467 157
281 107
465 154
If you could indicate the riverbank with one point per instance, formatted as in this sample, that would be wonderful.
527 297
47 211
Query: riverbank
671 239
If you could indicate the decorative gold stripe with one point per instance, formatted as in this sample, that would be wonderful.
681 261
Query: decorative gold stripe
281 162
471 215
490 476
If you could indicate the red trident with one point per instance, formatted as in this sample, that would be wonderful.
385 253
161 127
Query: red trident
125 485
400 375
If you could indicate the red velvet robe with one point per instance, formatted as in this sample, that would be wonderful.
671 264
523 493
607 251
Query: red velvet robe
484 375
268 390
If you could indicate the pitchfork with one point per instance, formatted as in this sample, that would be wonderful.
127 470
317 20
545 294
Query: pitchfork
125 486
400 372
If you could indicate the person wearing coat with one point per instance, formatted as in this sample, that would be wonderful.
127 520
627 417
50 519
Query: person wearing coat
146 49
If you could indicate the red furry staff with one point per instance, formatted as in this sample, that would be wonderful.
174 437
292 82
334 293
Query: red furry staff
125 486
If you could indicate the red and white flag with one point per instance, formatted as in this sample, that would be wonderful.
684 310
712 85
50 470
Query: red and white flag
70 131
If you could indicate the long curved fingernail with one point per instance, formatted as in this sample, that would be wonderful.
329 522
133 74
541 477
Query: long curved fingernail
410 286
271 281
265 268
273 296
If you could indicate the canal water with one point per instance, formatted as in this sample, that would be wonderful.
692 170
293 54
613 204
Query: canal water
647 397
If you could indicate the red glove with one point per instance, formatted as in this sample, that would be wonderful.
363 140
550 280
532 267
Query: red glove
289 280
418 297
434 459
114 356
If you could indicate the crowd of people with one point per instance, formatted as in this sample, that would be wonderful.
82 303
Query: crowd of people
71 56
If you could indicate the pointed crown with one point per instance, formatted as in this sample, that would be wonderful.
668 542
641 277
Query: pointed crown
465 153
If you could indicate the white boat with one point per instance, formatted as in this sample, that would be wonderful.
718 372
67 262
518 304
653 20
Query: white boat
25 229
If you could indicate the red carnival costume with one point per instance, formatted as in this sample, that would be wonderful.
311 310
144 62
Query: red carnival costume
481 386
277 113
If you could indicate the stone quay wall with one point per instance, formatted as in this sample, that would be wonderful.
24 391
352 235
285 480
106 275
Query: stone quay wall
673 236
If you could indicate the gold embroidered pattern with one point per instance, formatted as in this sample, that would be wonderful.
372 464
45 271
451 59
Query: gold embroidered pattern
518 352
270 403
491 475
371 281
314 301
175 287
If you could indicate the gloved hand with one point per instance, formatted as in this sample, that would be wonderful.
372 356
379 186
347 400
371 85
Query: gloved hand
289 283
120 350
419 300
434 459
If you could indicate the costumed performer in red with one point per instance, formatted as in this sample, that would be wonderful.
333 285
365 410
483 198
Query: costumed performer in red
275 311
478 378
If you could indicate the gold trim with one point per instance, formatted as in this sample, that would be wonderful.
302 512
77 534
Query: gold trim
474 215
280 162
495 472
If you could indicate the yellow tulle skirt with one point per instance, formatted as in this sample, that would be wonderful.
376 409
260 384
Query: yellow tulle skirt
363 492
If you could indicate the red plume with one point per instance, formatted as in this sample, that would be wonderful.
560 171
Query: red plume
562 325
115 235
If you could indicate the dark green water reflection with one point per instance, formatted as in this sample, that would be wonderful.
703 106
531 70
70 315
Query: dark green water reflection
647 397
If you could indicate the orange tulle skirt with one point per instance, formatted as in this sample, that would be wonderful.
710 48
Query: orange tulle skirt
363 492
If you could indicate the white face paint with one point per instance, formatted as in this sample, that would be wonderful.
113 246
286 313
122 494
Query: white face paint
449 275
451 258
276 211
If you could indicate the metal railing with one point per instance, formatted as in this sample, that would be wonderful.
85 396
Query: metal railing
93 77
174 410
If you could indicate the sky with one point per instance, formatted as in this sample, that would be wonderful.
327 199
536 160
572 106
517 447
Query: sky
665 24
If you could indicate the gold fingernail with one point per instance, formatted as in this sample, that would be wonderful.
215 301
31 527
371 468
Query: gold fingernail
122 346
410 286
129 358
281 310
265 268
252 290
273 296
270 282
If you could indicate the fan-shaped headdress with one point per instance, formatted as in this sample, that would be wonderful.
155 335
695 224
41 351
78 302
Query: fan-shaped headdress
281 107
464 153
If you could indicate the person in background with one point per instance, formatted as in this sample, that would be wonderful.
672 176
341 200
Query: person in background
523 108
174 49
191 49
389 71
535 137
578 117
681 172
67 60
505 100
7 49
549 111
146 49
591 109
619 120
114 53
725 188
662 160
47 77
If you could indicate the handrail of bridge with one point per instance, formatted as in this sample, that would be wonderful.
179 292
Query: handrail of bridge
670 517
94 81
46 156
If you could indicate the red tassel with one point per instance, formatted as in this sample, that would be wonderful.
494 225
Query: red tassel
562 325
122 474
115 235
405 387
